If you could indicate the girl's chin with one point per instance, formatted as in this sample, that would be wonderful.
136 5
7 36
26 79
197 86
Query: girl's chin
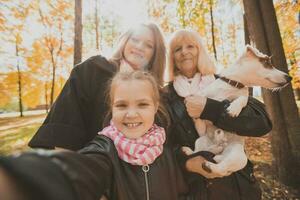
134 135
137 64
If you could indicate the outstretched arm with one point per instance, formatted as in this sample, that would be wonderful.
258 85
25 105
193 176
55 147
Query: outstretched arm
61 176
252 121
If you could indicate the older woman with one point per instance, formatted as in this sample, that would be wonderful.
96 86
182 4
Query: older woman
190 63
78 113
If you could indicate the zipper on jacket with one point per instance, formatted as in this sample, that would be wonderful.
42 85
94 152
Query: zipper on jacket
145 169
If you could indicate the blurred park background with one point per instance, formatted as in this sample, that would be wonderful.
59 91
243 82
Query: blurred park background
41 40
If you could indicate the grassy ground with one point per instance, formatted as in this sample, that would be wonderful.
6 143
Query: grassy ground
15 132
16 139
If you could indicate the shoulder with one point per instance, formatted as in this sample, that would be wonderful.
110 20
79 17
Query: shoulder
94 70
167 90
100 144
95 64
169 94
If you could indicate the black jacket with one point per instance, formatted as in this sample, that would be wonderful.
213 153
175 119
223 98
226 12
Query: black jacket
78 112
97 170
252 121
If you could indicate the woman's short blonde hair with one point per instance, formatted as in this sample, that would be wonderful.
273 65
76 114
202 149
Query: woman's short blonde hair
157 63
206 65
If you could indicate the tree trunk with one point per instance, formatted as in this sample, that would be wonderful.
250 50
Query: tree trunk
78 32
46 97
297 93
247 41
264 32
212 28
97 25
293 63
53 77
19 82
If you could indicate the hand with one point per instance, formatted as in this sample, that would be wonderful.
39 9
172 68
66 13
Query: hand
8 187
195 105
195 165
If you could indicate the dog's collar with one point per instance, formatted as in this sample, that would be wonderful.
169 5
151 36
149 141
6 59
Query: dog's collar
232 82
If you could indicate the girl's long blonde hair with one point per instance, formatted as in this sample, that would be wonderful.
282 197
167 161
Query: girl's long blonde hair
157 63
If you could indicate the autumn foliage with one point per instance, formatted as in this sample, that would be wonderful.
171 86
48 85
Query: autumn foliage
37 38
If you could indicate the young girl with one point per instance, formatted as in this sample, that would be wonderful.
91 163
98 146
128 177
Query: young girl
127 160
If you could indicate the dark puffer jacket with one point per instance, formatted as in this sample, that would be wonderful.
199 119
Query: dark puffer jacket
94 171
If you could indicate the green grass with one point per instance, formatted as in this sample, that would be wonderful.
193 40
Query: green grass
16 140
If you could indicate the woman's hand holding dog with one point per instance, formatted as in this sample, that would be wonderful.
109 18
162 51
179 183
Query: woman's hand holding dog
195 105
195 164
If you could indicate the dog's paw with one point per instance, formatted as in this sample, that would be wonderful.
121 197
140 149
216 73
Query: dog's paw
234 110
219 136
218 158
187 150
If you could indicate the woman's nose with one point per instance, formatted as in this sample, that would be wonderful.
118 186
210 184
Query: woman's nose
184 50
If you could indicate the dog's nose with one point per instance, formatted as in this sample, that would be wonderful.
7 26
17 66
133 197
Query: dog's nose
288 78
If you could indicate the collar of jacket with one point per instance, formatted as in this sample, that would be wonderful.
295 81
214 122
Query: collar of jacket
176 103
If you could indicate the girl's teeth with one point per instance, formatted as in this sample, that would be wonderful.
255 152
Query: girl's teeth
131 125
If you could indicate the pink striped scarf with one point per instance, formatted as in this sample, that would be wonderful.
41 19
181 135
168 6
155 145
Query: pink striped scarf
140 151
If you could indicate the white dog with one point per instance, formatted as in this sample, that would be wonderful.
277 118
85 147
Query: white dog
252 69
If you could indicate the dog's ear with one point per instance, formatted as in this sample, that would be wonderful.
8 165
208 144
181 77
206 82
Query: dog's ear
250 51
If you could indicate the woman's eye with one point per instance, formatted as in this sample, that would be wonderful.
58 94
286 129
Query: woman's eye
134 39
177 49
190 46
150 46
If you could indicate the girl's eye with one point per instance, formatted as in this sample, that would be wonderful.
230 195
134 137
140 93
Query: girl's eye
143 104
120 105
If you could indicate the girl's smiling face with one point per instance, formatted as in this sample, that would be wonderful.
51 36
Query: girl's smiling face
139 48
133 107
